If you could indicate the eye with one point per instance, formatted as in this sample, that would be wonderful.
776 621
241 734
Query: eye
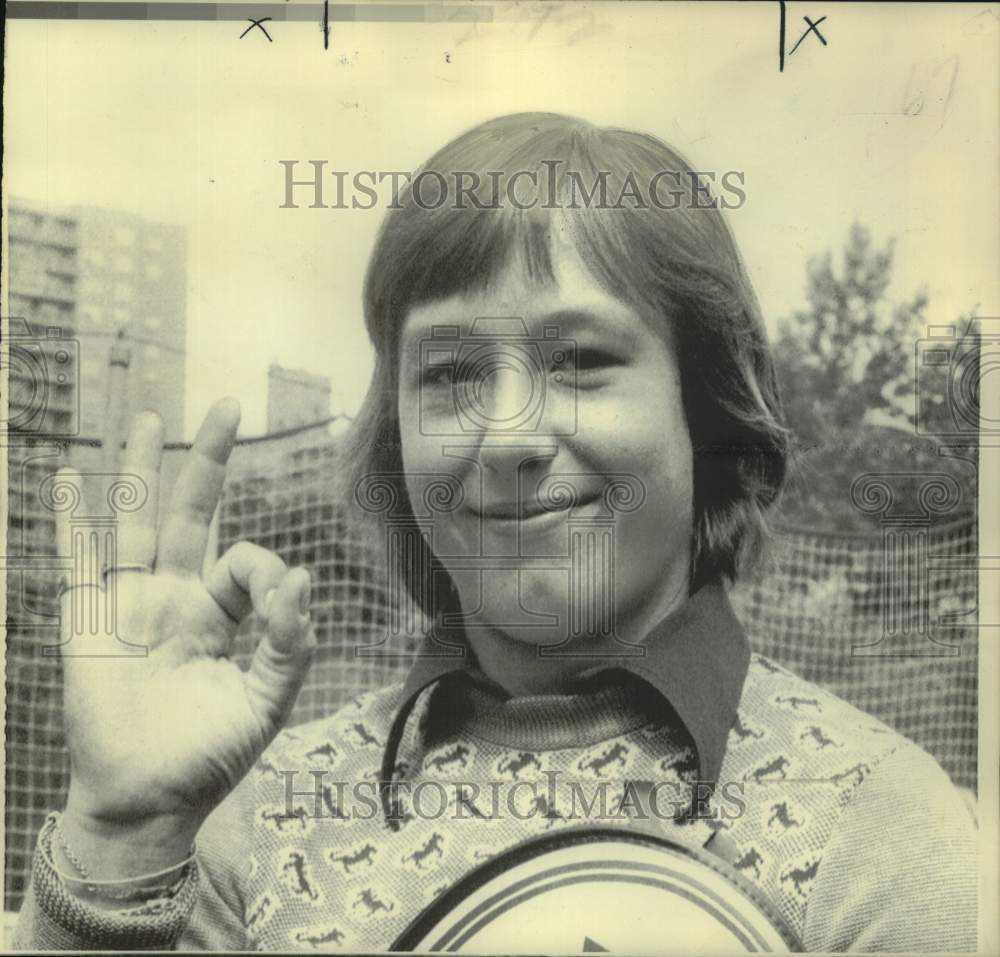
593 360
434 375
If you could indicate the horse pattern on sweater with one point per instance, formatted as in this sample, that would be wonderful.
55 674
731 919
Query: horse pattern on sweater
328 871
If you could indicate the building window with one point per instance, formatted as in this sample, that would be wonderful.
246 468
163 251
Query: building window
153 270
123 292
123 264
95 257
124 235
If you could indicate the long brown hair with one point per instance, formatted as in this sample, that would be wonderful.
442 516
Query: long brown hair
679 266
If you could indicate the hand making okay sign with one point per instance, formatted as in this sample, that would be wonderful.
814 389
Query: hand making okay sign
164 733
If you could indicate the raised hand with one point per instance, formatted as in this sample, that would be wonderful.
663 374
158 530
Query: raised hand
159 736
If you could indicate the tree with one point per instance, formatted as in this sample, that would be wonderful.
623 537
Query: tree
848 357
847 369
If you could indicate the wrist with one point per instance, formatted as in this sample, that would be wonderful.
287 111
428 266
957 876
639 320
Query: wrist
122 850
105 924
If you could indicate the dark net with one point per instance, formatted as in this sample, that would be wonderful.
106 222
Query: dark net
835 609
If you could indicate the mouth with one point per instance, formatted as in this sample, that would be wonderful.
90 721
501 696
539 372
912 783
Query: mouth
527 514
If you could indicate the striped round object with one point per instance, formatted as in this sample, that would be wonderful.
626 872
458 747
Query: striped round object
601 891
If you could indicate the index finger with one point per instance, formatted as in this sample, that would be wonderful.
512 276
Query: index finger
184 534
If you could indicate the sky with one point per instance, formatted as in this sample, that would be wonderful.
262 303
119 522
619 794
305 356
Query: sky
893 123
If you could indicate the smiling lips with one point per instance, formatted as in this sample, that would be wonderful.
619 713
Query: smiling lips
515 512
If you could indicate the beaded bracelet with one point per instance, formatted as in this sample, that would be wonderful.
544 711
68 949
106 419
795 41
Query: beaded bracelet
102 925
67 850
112 889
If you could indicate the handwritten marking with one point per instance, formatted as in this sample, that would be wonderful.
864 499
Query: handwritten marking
258 23
812 27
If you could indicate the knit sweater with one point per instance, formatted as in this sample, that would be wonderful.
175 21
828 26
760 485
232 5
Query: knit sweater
854 834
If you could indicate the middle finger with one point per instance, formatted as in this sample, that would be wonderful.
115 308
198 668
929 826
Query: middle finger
184 534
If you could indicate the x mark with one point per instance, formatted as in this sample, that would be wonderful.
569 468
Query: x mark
260 23
813 28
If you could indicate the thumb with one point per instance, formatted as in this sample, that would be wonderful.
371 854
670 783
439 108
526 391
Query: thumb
281 659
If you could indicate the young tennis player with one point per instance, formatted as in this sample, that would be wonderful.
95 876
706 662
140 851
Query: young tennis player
575 430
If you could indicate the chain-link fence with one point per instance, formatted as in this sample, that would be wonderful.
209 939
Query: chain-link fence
834 609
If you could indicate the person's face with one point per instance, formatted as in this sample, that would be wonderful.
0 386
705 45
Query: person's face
588 400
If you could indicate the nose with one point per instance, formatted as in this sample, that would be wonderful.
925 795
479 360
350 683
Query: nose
502 394
505 459
509 398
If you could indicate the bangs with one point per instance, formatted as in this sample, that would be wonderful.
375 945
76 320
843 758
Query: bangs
439 254
463 219
429 249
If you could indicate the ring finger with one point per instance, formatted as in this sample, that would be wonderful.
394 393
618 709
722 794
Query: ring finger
136 539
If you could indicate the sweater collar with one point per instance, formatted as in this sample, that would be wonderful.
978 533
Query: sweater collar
696 662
